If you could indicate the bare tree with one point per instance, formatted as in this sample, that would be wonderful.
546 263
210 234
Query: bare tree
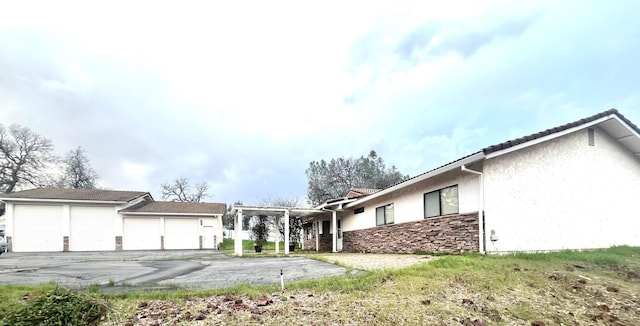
23 157
78 172
182 190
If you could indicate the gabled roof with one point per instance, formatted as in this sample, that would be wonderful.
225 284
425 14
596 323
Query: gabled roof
175 208
360 192
93 195
612 121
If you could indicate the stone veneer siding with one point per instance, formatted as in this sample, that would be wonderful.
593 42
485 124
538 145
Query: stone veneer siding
450 234
118 242
65 243
325 242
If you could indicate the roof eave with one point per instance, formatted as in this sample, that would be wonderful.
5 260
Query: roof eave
53 200
170 214
560 134
452 166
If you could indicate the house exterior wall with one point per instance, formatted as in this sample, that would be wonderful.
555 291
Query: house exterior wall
410 231
563 194
451 233
408 203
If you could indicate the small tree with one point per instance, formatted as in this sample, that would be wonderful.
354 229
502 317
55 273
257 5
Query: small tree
295 229
260 230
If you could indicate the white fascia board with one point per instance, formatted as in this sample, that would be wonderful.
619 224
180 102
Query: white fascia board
273 210
61 201
169 214
452 166
338 204
556 135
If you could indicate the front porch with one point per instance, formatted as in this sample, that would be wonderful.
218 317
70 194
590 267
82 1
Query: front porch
320 232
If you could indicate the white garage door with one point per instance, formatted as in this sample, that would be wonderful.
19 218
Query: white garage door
141 233
92 228
181 233
37 228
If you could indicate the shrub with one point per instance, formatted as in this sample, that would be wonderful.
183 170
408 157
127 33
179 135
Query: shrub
58 307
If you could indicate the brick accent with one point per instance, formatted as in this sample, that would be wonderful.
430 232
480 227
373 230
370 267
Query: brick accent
162 242
65 243
451 234
325 242
118 242
9 240
201 241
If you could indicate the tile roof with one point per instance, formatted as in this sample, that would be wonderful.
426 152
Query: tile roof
550 131
359 192
172 207
75 194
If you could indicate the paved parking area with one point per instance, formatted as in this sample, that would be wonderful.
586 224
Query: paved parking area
184 268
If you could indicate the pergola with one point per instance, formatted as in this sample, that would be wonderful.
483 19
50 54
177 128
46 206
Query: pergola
275 211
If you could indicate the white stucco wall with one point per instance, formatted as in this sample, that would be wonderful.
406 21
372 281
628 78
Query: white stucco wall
563 194
408 203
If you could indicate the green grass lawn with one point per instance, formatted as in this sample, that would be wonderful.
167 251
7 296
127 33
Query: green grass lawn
228 244
599 287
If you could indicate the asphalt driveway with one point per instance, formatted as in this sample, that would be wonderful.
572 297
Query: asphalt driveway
156 269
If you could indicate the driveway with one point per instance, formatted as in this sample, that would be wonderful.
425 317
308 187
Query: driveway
156 269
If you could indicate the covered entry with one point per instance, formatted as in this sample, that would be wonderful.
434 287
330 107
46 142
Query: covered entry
272 211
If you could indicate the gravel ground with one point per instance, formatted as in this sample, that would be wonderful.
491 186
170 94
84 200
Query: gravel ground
369 262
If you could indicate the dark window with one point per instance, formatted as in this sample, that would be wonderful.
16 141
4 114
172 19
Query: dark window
358 210
441 202
325 227
592 136
384 214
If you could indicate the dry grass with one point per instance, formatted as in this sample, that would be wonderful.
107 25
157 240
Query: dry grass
568 288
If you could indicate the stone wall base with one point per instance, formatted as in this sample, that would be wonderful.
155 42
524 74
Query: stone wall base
325 242
65 243
446 234
118 242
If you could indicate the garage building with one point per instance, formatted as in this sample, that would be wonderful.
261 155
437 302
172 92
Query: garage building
49 219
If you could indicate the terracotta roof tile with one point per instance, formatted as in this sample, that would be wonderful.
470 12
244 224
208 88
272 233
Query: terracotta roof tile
171 207
76 194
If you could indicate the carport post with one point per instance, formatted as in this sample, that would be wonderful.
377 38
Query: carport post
286 232
334 220
277 235
317 235
238 233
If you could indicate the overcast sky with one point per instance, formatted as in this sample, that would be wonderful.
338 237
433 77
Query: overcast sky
243 95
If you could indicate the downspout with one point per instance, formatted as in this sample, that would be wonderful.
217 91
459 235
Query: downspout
481 235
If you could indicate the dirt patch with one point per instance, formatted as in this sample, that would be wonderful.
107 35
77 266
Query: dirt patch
369 262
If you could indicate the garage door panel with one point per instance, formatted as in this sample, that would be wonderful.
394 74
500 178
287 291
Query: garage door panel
92 228
37 228
181 233
141 233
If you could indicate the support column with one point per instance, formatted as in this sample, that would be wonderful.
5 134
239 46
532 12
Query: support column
277 233
317 235
334 240
237 246
286 232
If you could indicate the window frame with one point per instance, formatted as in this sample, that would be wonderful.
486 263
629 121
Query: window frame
384 209
440 199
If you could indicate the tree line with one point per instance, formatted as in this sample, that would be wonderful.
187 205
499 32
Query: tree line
26 159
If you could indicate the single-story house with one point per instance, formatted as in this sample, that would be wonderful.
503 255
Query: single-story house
576 186
48 219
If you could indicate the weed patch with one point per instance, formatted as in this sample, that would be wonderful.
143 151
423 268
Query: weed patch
58 307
